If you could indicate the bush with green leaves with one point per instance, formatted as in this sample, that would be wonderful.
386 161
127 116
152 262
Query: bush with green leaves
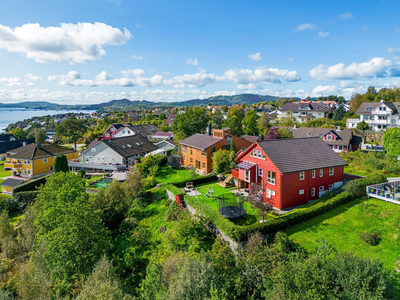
370 238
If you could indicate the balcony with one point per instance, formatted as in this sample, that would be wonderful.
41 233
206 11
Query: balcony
235 173
13 165
388 191
95 166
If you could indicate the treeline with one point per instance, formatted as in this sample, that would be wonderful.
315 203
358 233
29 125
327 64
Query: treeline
372 95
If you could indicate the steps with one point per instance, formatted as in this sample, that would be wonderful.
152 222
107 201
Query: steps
227 182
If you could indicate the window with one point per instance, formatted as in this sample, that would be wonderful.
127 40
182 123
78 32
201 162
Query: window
271 177
28 172
45 160
184 149
312 192
247 175
272 193
51 168
191 151
268 193
184 158
191 160
340 147
330 171
203 165
260 172
93 149
301 175
321 172
313 173
255 153
203 153
259 153
197 164
301 192
321 188
329 137
27 162
331 186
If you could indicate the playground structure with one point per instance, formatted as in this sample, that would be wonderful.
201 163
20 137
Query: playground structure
231 205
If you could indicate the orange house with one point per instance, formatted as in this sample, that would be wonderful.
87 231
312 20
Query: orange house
197 150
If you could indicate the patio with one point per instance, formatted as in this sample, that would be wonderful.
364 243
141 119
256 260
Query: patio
388 191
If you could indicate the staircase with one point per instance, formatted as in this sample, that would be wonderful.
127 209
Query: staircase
228 182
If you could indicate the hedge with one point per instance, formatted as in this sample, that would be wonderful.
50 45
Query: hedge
175 190
203 179
31 185
26 197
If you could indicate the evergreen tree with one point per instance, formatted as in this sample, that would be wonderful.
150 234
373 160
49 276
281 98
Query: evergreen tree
233 147
339 113
250 123
61 164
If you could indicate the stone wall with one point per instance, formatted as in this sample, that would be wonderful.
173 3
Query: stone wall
369 136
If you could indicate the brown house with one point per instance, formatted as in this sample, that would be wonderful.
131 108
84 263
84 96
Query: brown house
197 150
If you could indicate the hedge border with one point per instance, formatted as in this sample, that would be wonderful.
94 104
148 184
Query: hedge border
31 185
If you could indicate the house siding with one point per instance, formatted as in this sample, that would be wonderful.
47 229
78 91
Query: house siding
101 153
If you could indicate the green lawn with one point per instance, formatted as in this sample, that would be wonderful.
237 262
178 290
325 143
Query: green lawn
342 226
3 173
251 217
167 174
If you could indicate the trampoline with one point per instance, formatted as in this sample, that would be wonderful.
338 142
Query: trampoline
104 183
231 205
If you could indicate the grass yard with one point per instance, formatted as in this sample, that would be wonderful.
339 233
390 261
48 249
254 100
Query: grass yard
342 227
3 173
167 174
251 217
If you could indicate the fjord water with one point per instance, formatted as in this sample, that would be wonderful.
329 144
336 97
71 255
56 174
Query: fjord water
12 115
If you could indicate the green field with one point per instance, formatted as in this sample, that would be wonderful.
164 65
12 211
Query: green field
3 173
342 227
167 174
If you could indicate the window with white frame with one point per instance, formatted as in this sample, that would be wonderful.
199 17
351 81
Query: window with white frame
321 172
331 186
301 192
321 188
271 177
45 160
272 193
330 171
329 137
259 154
301 175
260 172
268 193
27 162
93 149
312 192
313 173
247 175
255 153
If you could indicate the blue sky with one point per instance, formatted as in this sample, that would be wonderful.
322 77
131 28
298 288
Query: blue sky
94 51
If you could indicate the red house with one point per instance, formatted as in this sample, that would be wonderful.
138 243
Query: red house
294 171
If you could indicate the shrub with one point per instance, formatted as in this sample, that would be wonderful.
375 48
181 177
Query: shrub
31 185
26 198
199 180
11 205
357 187
370 238
149 182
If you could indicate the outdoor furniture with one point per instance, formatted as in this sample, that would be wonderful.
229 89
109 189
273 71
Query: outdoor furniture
189 185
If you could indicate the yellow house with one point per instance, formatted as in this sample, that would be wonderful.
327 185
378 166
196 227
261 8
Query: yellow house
35 160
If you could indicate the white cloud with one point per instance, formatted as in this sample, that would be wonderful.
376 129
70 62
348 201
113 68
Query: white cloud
255 57
12 81
221 93
291 58
323 34
260 75
249 86
193 62
133 72
73 43
375 67
346 16
137 57
103 76
305 26
32 77
198 79
139 25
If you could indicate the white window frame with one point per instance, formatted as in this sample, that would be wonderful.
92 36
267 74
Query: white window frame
93 149
301 192
331 187
321 188
247 175
312 192
313 174
27 162
269 193
329 137
259 154
270 178
272 193
51 168
331 171
45 160
321 172
302 175
260 172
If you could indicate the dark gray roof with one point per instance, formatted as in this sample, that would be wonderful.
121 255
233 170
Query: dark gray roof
362 109
294 155
10 145
170 119
5 137
144 130
132 145
10 182
38 150
344 136
200 141
295 106
250 138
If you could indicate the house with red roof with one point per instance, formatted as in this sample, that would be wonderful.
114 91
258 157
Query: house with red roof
292 171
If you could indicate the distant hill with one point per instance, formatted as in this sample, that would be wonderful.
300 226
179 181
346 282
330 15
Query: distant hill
217 100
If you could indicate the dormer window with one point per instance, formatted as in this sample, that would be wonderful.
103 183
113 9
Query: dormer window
329 137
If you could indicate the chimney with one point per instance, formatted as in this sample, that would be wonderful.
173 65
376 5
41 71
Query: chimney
209 129
294 127
260 137
24 143
381 100
338 128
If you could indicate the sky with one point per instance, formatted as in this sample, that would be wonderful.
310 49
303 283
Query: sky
85 52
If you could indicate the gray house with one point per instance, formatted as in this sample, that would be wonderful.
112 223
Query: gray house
113 153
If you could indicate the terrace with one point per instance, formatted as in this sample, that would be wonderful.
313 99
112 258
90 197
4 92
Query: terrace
388 191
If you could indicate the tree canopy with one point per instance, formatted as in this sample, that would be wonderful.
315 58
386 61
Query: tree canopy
391 141
71 130
234 119
194 120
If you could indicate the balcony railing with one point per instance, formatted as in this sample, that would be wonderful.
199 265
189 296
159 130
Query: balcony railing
13 165
388 191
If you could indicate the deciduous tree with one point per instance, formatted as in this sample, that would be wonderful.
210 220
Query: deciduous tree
71 130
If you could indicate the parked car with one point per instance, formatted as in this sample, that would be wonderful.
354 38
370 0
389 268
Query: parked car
379 149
